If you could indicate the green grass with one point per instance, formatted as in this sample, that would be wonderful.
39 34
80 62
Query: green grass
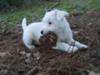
35 12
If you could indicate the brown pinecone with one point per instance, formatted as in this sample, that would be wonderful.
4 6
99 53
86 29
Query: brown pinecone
48 40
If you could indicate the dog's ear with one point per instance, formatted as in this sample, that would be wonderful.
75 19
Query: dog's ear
60 15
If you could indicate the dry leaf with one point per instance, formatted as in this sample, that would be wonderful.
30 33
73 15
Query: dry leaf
93 73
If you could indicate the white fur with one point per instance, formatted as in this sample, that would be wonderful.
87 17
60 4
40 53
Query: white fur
56 22
31 33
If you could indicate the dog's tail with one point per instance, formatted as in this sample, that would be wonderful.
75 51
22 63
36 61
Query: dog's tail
24 24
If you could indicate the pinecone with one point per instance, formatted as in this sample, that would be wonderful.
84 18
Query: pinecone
48 40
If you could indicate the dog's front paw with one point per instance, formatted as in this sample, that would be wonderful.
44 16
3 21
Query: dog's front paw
83 46
72 49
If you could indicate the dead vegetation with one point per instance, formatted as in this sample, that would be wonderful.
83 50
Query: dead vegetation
15 58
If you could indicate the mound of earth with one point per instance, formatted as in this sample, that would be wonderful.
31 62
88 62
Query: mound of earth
16 59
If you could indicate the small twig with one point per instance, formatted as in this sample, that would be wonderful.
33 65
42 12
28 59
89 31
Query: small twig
33 71
57 3
53 6
72 44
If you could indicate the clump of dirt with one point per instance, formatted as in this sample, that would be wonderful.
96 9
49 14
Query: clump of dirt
15 58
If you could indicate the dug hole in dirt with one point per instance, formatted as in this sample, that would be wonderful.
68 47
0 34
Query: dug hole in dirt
15 58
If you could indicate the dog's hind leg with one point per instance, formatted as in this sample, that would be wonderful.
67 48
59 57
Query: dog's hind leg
29 45
65 47
28 42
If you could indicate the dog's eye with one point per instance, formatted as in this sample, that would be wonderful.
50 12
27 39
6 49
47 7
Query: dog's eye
50 22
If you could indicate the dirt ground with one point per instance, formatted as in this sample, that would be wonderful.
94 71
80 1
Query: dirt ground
15 58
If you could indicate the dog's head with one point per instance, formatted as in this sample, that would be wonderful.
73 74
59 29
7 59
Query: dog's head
54 20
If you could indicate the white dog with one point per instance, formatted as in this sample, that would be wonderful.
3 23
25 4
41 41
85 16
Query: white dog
55 21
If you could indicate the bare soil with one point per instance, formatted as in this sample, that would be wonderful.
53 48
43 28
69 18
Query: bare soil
15 58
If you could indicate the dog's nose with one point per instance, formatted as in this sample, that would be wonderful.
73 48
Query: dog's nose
42 32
